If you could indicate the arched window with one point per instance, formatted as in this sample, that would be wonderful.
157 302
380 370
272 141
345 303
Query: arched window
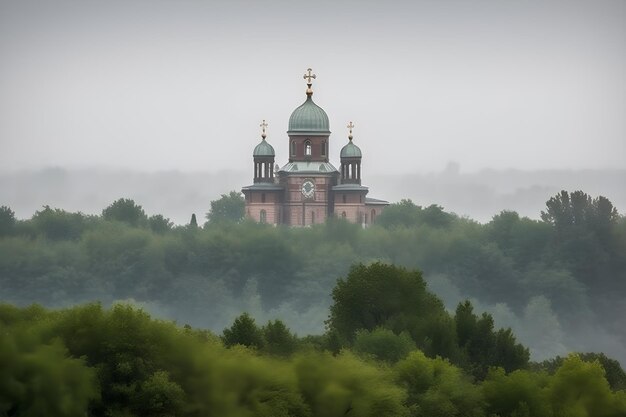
263 217
343 198
307 148
263 198
343 214
293 148
372 216
323 148
312 217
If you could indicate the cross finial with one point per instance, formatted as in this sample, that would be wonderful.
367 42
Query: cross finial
309 83
309 76
263 126
350 126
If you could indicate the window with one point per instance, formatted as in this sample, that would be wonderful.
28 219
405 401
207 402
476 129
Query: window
372 215
263 198
312 217
307 148
293 148
344 198
263 217
323 148
343 214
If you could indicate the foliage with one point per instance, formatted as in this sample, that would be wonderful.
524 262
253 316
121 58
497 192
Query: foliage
483 347
7 221
230 208
436 388
125 210
39 378
245 332
383 344
57 224
278 339
159 224
573 277
381 295
615 375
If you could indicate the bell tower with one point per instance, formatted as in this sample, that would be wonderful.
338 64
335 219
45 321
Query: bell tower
308 128
264 197
263 156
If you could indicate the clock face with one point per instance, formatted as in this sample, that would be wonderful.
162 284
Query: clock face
308 188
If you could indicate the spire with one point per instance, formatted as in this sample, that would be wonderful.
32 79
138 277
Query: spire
263 126
350 126
309 83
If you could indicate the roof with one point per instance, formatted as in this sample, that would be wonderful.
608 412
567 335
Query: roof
264 149
350 187
309 119
375 202
263 186
309 167
350 151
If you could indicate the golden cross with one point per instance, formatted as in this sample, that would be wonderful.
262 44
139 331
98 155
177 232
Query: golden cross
309 76
263 126
350 126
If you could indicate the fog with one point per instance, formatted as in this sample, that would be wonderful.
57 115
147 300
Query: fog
160 85
177 194
478 106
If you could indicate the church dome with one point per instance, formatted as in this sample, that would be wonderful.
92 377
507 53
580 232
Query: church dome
351 151
264 149
309 119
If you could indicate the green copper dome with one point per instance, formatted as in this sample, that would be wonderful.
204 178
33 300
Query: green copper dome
350 151
264 149
309 119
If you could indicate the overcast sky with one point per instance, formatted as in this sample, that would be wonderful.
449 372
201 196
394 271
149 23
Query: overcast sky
160 85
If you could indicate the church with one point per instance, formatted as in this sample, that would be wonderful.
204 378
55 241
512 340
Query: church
308 189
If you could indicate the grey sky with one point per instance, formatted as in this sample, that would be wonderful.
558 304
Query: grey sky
158 85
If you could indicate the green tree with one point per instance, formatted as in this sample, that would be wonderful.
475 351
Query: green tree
230 208
579 388
383 344
344 386
127 211
519 393
38 379
279 340
160 397
565 210
159 224
483 347
402 214
615 375
245 332
57 224
7 221
436 388
392 297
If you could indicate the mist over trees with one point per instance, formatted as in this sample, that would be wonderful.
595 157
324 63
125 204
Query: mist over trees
558 283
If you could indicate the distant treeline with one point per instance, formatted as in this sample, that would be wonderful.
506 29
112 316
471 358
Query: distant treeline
205 275
390 349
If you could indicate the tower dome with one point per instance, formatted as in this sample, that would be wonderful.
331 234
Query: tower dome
308 118
350 150
263 149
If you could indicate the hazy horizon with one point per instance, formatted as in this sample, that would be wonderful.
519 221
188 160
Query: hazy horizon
159 86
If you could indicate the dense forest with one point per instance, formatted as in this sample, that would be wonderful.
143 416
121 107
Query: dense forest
378 358
423 314
559 282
